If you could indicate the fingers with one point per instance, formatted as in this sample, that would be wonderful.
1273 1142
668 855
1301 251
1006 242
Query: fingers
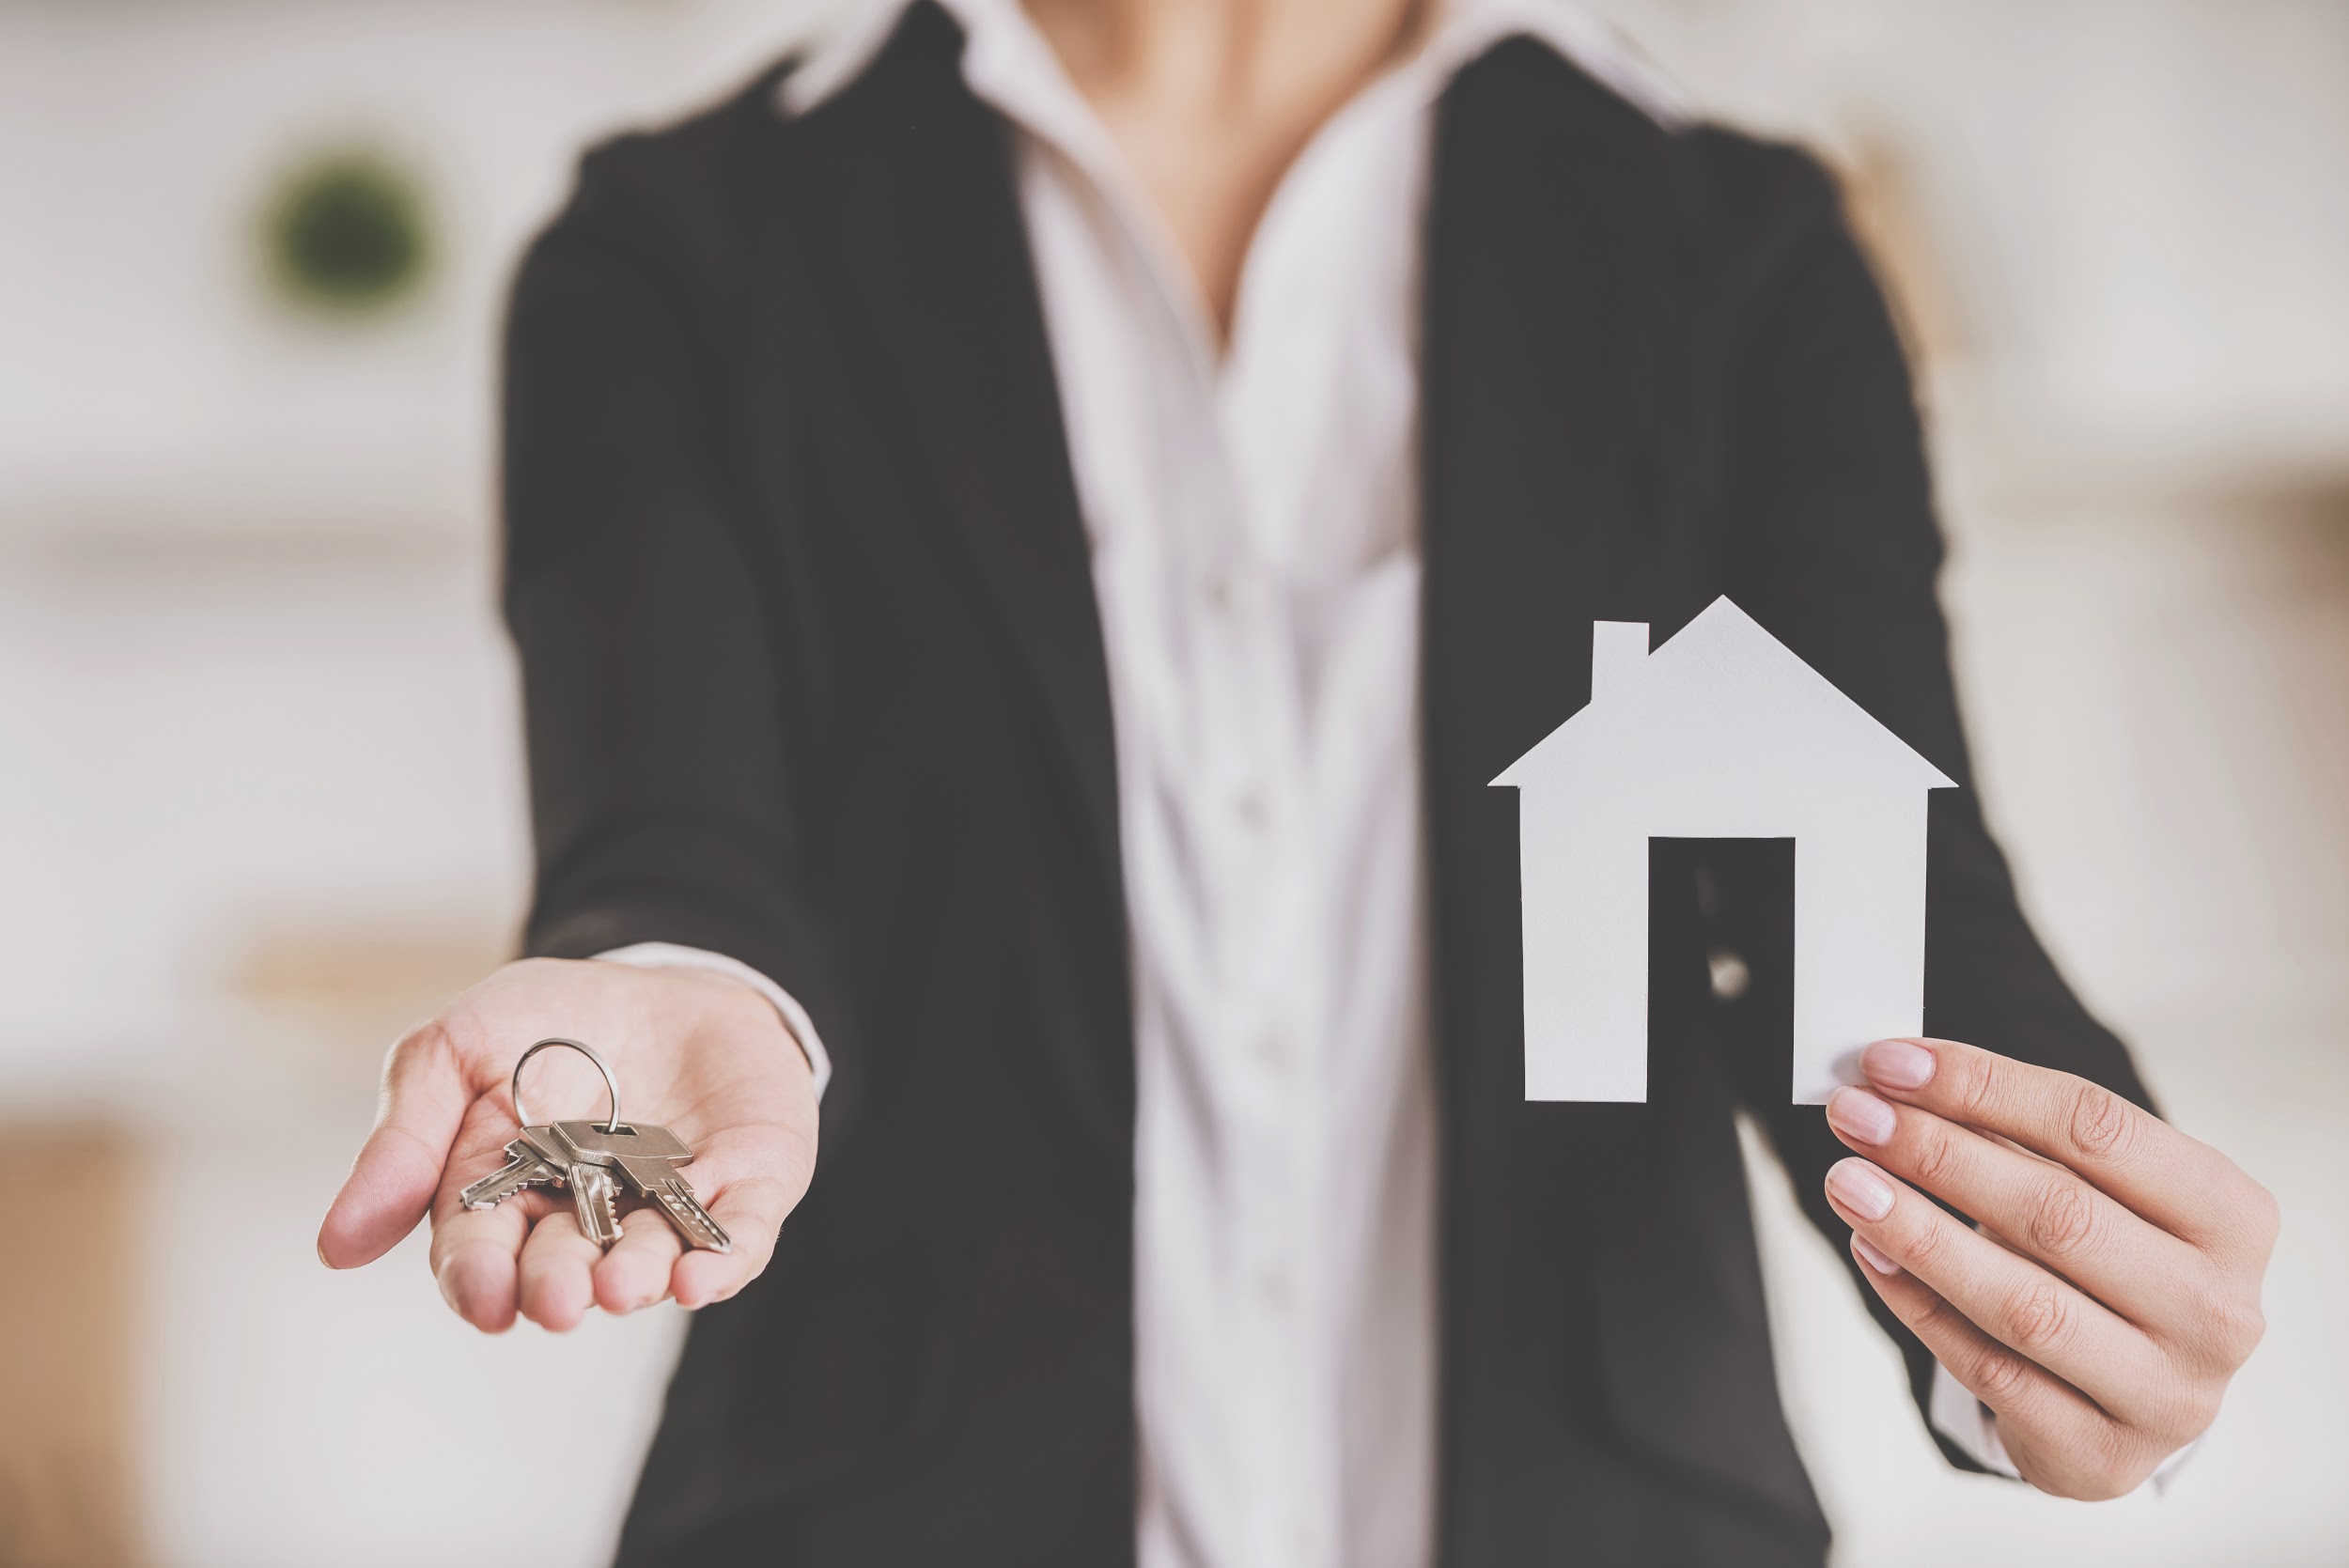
2175 1181
473 1261
635 1273
555 1285
2141 1272
528 1254
650 1264
398 1169
2004 1294
757 1175
2044 1421
475 1251
752 1210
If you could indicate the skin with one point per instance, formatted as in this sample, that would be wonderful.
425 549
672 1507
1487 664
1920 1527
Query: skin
1209 101
2102 1324
2114 1287
701 1054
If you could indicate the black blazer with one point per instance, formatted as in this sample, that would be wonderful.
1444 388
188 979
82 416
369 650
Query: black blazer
814 679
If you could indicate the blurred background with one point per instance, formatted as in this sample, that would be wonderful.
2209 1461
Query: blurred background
260 783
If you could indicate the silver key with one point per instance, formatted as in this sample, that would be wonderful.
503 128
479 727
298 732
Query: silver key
596 1197
593 1161
647 1158
536 1159
550 1148
525 1166
694 1222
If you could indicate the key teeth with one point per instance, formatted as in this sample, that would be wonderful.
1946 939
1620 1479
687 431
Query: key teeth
493 1189
699 1225
596 1203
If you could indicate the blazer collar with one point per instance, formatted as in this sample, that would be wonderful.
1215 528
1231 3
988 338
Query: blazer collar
1555 422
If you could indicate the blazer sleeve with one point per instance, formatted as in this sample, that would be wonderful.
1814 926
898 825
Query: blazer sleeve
1832 543
666 769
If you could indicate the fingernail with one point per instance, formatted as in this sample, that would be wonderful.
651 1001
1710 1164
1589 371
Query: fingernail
1855 1184
1898 1063
1859 1114
1872 1258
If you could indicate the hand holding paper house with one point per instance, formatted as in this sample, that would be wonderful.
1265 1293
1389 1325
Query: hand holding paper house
1720 733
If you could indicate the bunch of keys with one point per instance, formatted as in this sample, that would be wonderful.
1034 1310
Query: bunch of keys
597 1161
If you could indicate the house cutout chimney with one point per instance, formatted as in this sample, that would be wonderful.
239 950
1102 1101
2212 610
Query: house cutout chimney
1618 648
1719 732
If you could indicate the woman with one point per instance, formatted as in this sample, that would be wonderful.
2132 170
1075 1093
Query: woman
1029 532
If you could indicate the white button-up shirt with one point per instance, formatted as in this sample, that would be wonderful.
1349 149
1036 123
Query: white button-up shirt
1253 520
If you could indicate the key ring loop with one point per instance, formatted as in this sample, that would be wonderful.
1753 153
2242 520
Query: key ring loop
611 1123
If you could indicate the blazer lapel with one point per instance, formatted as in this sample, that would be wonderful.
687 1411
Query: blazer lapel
1566 460
1556 465
934 251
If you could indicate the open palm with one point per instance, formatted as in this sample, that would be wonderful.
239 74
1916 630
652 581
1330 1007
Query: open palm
701 1054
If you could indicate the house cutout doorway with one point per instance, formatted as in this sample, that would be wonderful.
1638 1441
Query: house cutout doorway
1721 940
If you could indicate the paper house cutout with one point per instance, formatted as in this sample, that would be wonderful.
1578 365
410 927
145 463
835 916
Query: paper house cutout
1720 733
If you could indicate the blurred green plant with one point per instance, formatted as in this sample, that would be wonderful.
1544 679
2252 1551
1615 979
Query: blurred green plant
346 233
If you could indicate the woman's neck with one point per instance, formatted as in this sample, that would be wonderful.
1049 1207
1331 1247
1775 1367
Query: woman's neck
1212 101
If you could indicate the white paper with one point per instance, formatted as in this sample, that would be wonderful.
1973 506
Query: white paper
1720 733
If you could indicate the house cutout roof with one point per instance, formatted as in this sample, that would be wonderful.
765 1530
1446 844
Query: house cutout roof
1721 701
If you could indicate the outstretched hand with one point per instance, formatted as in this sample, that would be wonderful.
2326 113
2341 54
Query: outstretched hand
2114 1287
702 1054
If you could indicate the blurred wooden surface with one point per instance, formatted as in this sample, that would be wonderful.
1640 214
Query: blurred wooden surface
65 1486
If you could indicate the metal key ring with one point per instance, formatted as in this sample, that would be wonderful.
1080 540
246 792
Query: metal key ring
611 1123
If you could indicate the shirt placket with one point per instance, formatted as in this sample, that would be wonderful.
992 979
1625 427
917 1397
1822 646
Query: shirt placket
1225 733
1277 936
1244 683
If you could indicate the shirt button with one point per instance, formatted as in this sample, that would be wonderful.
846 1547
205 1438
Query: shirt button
1275 1050
1254 810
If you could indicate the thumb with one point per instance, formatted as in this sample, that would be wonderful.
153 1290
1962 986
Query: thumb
391 1183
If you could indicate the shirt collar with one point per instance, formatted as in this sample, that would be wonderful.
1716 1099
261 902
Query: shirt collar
1008 62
